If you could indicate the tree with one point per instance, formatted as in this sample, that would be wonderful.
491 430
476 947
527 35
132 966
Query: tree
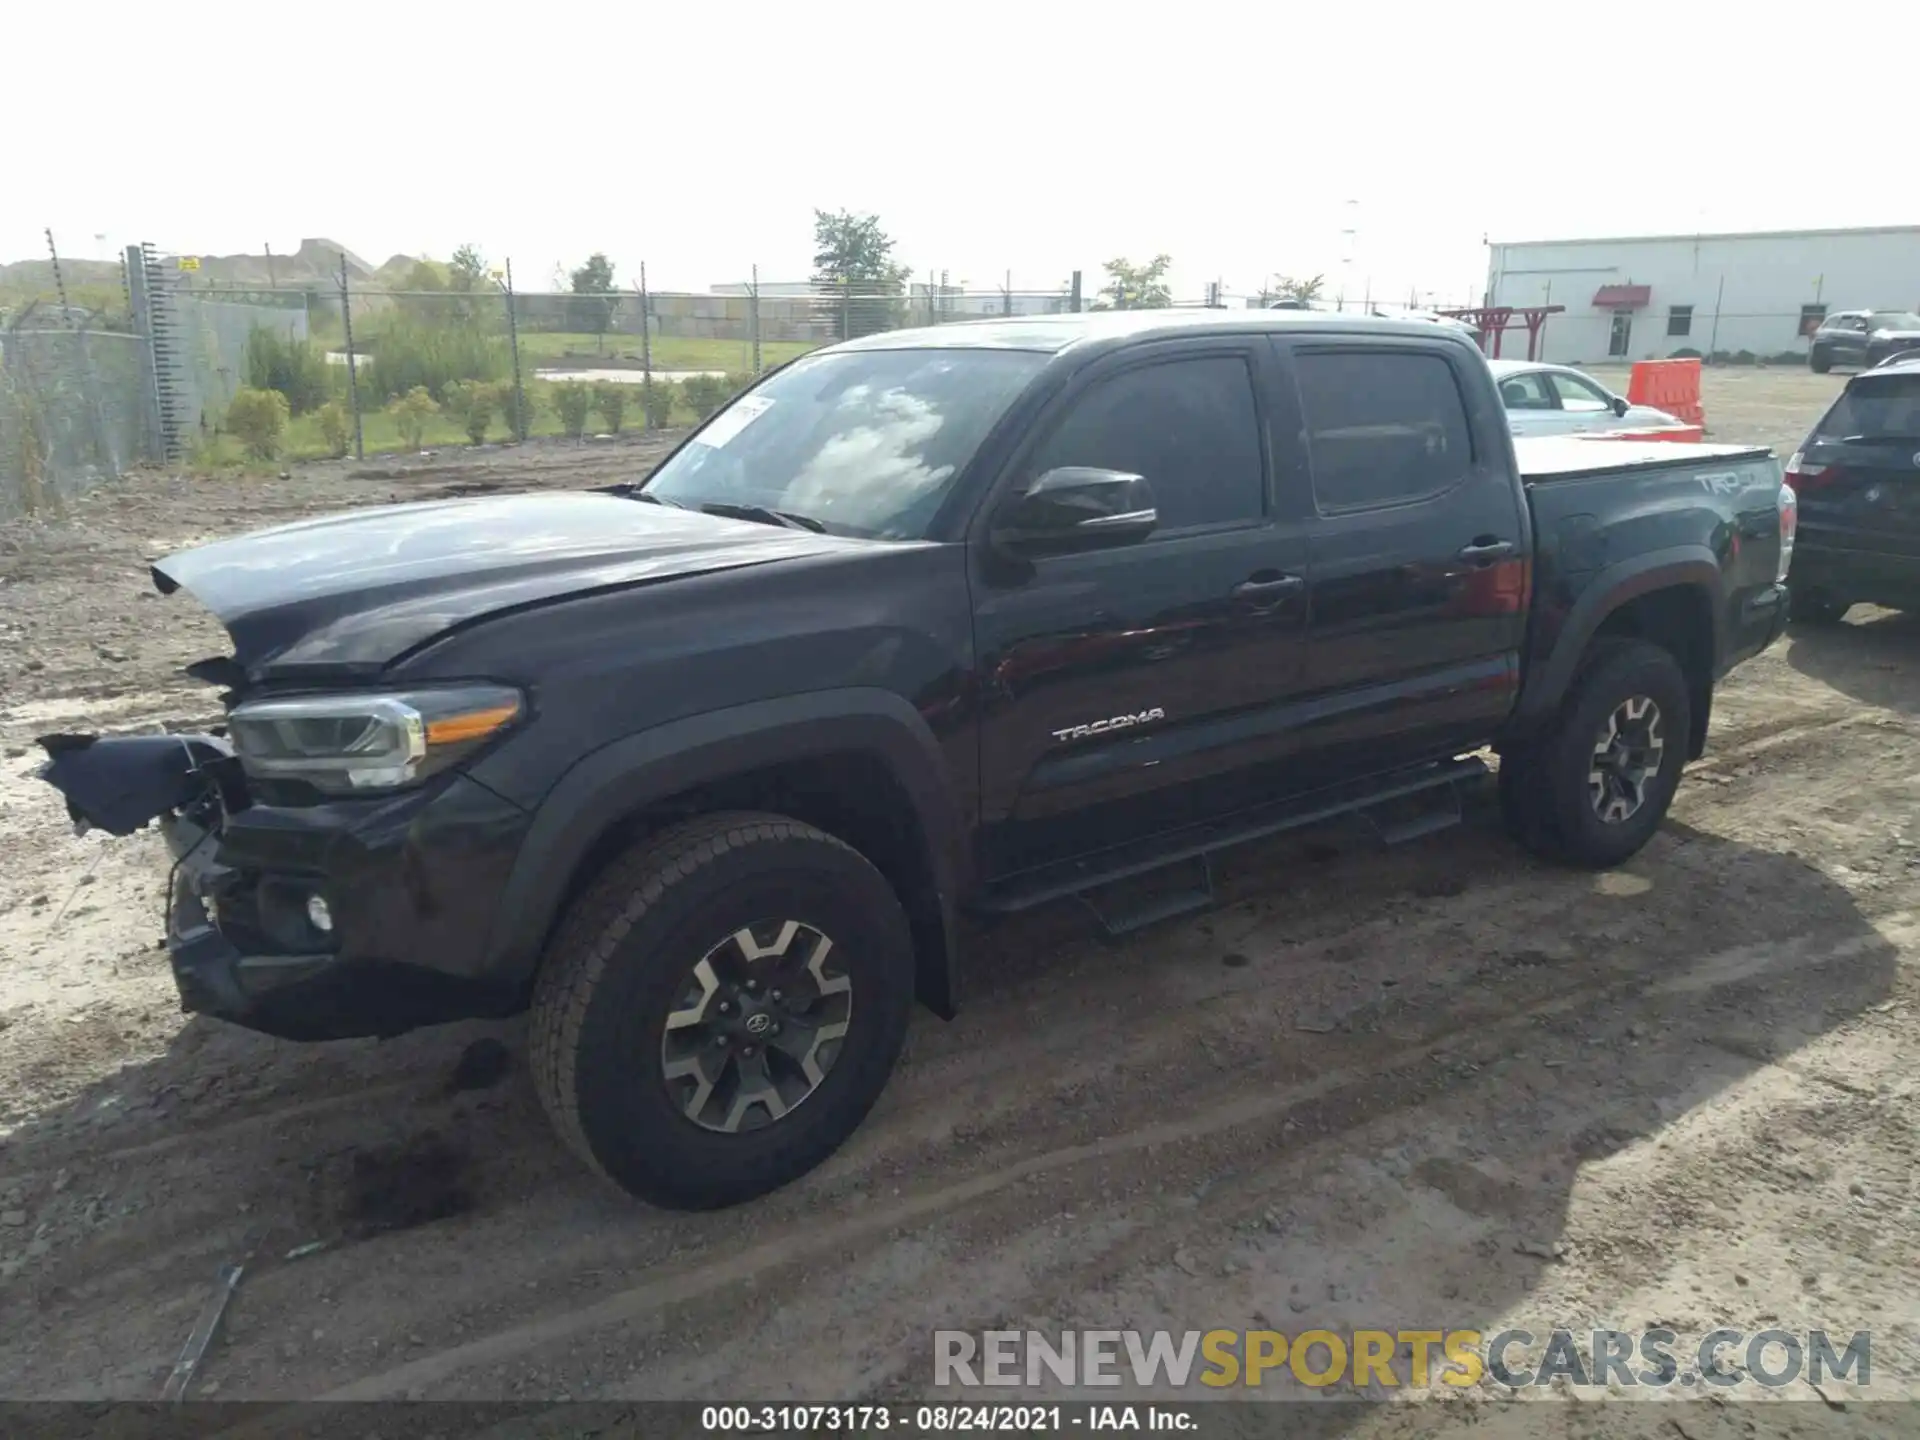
1285 287
854 272
467 270
594 303
467 277
1136 287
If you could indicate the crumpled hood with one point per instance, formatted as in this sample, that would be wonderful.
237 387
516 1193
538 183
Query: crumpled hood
359 589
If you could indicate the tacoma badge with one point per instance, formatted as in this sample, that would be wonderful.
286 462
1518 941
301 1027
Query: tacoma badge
1118 722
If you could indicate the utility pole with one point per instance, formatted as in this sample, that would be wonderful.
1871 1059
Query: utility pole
646 328
519 426
353 377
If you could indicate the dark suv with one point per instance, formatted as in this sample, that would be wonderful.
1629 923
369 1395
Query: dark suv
1862 337
1858 478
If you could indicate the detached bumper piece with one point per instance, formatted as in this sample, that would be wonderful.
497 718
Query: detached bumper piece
316 922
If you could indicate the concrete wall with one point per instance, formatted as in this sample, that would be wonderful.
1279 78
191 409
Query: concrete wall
1755 285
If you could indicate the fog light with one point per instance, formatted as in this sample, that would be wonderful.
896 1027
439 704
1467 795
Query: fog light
318 915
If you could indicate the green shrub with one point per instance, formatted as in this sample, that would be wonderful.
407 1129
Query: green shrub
656 403
740 381
518 426
412 354
1685 352
258 418
705 394
296 368
336 428
610 399
572 401
411 413
473 403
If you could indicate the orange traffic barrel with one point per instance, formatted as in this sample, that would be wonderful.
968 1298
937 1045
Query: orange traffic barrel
1669 385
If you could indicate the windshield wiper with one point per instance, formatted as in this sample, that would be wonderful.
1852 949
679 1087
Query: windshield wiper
652 499
1904 437
763 515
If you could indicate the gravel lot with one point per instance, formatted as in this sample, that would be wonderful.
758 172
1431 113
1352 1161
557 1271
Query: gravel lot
1436 1086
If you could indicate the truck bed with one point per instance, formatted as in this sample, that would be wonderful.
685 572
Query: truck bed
1565 457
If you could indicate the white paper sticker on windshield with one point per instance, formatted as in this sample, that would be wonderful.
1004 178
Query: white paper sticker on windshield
735 418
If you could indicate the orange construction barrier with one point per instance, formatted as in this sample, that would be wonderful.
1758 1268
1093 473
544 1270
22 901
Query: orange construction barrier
1669 385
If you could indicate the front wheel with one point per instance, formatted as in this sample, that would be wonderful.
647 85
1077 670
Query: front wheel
721 1009
1820 361
1592 790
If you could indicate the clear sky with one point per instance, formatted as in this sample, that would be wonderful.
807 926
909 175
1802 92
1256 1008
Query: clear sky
1036 138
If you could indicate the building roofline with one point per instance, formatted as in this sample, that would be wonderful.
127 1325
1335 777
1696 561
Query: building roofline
1710 235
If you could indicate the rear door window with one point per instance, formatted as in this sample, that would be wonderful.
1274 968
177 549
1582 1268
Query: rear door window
1383 426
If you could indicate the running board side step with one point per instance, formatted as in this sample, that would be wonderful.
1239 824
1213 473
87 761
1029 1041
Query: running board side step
1195 843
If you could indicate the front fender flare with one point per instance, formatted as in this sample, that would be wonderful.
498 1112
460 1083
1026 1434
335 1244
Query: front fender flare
607 786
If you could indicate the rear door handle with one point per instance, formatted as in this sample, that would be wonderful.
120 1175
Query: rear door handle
1265 592
1482 551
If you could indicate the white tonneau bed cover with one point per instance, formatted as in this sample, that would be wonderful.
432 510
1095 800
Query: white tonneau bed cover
1558 457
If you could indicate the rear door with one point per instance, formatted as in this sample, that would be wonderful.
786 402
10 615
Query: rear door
1859 474
1584 406
1849 340
1417 550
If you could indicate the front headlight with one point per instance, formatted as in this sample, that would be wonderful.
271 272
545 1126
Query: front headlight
350 743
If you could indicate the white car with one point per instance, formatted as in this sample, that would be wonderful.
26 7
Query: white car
1556 400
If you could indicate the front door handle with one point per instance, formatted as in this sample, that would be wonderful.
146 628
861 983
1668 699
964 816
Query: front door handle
1266 592
1481 551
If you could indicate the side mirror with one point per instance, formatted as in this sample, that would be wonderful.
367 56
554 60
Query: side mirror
1074 508
1619 406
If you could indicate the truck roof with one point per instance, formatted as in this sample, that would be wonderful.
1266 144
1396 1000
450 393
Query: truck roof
1561 457
1049 333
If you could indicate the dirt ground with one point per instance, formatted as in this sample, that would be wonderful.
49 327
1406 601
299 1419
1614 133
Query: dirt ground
1440 1085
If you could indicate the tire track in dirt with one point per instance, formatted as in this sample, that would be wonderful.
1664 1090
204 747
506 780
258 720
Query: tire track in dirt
1227 1115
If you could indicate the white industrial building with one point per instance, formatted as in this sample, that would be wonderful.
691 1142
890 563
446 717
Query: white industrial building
1645 297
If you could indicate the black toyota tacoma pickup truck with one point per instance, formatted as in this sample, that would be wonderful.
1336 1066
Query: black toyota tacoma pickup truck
712 771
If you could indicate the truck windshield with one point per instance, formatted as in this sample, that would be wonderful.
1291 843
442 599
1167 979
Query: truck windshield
859 442
1895 320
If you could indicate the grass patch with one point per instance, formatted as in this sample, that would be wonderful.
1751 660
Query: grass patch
670 352
443 431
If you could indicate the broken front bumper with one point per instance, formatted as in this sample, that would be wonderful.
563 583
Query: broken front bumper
361 916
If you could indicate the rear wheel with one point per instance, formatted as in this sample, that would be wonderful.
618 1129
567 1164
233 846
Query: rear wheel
1817 607
1592 790
722 1008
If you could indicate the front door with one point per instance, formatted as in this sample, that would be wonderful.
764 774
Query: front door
1417 556
1620 340
1123 687
1584 406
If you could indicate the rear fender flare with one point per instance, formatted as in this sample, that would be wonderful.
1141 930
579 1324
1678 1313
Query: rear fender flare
609 785
1681 566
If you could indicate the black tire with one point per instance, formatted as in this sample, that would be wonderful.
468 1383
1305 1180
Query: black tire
623 959
1553 795
1819 361
1816 607
1522 802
